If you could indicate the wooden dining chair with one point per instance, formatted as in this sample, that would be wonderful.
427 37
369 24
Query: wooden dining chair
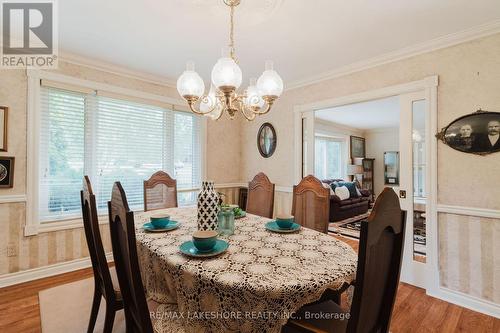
311 204
377 278
121 224
260 199
103 283
160 191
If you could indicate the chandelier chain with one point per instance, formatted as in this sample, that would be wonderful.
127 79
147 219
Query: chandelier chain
231 34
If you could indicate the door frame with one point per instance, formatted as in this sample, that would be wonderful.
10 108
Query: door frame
429 86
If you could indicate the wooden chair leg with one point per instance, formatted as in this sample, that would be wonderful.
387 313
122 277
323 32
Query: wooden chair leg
128 322
95 310
109 319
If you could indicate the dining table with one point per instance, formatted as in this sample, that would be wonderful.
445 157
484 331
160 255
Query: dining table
254 286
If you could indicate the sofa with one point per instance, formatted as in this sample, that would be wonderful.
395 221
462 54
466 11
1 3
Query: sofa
344 209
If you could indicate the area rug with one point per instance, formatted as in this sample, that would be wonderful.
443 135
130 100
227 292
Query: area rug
352 229
66 308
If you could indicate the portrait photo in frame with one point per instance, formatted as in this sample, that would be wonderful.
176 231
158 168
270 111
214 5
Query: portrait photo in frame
475 133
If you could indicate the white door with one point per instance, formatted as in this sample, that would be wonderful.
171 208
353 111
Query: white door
308 137
413 153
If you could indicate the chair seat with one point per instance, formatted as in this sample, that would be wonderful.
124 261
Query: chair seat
327 317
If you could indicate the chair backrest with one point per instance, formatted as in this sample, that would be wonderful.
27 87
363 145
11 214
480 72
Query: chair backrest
94 242
379 264
160 191
121 223
311 204
260 199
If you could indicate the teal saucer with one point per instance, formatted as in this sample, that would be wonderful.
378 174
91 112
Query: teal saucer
188 249
243 214
170 226
273 226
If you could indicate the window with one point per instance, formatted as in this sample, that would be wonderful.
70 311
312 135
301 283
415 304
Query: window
328 154
111 139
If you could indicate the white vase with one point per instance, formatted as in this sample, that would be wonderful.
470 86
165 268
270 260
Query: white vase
208 207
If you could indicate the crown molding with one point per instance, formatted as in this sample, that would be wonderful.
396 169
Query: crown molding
337 126
382 130
404 53
115 69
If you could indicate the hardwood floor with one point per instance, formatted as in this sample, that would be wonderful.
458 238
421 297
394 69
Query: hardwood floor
19 308
414 311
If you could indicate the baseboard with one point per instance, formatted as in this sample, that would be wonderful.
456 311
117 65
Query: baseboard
47 271
466 301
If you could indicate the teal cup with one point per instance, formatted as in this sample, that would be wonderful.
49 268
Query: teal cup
284 221
204 241
160 220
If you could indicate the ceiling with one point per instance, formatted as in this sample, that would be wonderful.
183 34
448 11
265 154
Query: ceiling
376 114
304 38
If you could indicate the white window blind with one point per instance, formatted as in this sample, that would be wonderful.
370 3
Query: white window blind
328 157
111 140
62 152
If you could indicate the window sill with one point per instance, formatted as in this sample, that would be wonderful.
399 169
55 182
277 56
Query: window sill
51 226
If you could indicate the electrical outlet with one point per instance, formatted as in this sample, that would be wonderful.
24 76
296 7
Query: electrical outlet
11 250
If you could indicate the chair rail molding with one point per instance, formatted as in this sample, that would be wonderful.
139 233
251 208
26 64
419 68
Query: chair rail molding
15 198
469 211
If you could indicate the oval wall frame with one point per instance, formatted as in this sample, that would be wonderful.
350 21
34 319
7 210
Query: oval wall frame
266 140
476 133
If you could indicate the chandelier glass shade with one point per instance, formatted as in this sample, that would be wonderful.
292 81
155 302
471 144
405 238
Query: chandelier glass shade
256 99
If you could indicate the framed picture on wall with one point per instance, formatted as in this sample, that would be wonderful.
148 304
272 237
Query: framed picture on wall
266 140
475 133
3 127
391 168
357 147
6 172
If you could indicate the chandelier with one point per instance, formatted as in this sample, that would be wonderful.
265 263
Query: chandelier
223 95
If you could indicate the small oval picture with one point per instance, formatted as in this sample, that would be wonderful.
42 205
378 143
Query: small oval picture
475 133
266 140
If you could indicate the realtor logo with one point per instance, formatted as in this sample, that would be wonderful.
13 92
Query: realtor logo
29 34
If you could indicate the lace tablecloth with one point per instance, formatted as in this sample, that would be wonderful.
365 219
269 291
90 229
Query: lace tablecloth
253 287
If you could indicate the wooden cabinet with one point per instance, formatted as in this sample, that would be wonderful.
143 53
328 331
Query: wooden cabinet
368 176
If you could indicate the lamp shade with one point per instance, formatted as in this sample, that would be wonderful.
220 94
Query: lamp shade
253 97
190 82
226 73
270 83
354 169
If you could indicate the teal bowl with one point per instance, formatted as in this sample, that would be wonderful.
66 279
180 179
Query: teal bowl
204 241
284 221
160 220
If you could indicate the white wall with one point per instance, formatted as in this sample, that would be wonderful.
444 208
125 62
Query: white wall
379 141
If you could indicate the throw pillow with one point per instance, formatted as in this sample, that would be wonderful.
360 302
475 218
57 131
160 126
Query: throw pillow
342 192
332 192
351 186
333 185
